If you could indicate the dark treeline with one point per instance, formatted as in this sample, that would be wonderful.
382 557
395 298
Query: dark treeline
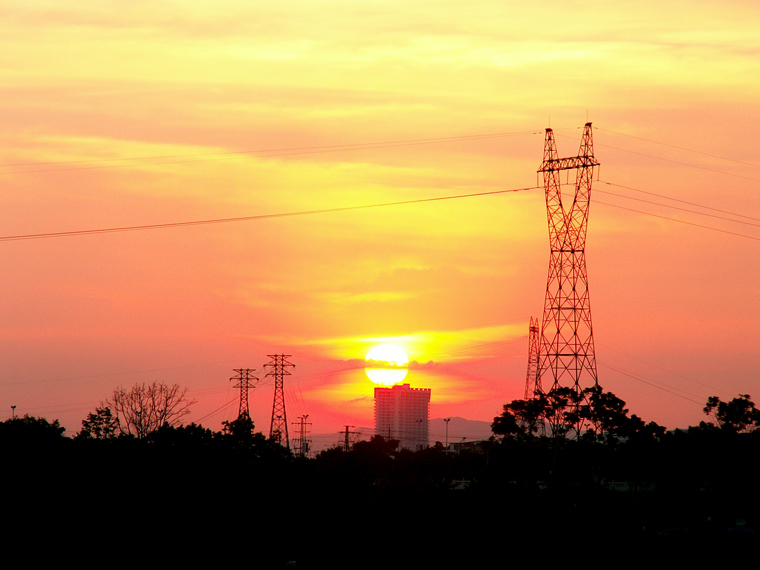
621 486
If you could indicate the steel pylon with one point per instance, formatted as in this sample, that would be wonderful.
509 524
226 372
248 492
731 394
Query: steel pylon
532 380
245 381
278 428
566 352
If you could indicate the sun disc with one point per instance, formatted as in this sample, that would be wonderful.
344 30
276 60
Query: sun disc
390 353
389 364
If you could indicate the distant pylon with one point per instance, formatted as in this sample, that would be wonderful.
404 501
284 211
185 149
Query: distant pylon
303 445
278 429
346 438
566 352
244 382
532 381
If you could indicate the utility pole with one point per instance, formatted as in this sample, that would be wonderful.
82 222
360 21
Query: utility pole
278 428
566 355
245 381
447 420
302 444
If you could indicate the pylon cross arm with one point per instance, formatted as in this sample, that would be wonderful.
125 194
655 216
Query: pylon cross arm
554 164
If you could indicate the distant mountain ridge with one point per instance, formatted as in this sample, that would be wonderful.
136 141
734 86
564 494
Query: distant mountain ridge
459 430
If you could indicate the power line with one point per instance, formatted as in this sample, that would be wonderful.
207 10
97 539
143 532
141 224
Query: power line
116 229
250 218
263 153
384 144
714 170
695 204
737 234
662 368
109 375
679 200
681 148
679 162
681 209
653 384
216 411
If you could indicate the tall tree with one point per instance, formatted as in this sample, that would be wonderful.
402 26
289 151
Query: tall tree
737 416
521 418
99 425
606 413
562 411
146 407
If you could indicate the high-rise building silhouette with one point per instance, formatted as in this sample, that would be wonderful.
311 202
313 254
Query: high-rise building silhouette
403 413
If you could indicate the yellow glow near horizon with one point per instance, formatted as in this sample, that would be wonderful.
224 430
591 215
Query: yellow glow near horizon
393 364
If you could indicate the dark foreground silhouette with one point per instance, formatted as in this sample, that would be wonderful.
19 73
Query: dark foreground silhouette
191 494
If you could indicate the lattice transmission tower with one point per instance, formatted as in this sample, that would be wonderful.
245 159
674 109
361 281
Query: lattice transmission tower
346 444
566 353
278 429
532 380
245 381
303 444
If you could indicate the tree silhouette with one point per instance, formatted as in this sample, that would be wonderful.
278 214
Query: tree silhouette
146 407
520 418
737 416
565 411
191 436
241 431
99 425
562 411
29 430
32 449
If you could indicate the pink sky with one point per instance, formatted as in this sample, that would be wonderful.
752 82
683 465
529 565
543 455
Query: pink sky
159 113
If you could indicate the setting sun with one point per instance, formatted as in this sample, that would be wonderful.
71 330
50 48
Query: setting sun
389 364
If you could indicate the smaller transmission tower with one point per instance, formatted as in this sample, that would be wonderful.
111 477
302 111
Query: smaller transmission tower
278 429
245 382
302 444
346 438
532 379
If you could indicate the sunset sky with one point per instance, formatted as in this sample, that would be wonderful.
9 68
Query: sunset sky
120 115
